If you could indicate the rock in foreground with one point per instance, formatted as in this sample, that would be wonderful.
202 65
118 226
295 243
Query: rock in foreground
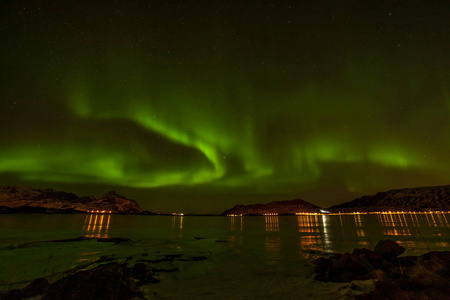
410 277
276 207
106 281
24 199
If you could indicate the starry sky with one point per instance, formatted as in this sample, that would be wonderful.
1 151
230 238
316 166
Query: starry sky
196 106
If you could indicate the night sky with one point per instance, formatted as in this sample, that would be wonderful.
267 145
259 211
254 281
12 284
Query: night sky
195 106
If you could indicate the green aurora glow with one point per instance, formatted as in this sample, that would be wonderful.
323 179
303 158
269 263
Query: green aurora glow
198 108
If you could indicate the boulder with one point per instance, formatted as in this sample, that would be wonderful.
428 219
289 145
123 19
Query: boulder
115 240
144 273
342 268
322 265
12 295
389 250
433 269
35 288
409 277
370 256
108 281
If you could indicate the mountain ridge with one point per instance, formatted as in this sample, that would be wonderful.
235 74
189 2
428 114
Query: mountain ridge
410 199
27 199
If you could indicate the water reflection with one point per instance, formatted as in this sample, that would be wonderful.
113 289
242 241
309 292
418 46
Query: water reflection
326 232
272 223
443 219
272 246
359 227
308 223
318 230
397 224
177 222
237 223
96 225
407 224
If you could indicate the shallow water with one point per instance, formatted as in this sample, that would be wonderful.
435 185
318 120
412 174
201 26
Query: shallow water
248 257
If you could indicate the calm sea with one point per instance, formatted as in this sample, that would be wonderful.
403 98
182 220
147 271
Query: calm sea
258 247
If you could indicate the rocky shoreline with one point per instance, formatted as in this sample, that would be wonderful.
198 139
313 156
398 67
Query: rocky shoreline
381 273
394 277
108 277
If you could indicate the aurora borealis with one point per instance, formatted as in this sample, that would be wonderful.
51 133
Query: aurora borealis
200 105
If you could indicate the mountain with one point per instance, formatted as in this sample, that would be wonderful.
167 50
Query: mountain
279 207
26 199
417 199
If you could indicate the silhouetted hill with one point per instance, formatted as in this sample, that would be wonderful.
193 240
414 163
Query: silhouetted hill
279 207
25 199
408 199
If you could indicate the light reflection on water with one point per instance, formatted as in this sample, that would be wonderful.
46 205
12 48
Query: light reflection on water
313 232
96 225
418 232
287 235
272 223
237 223
177 222
259 240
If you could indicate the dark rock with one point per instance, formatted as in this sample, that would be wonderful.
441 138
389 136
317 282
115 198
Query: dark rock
116 240
144 273
198 258
150 280
171 257
389 249
104 259
353 262
336 256
78 239
433 269
343 268
36 287
370 256
355 267
164 270
424 277
322 265
109 281
12 295
141 271
168 257
321 277
407 261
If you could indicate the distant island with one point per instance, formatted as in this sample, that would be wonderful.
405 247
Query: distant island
436 198
289 207
20 199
